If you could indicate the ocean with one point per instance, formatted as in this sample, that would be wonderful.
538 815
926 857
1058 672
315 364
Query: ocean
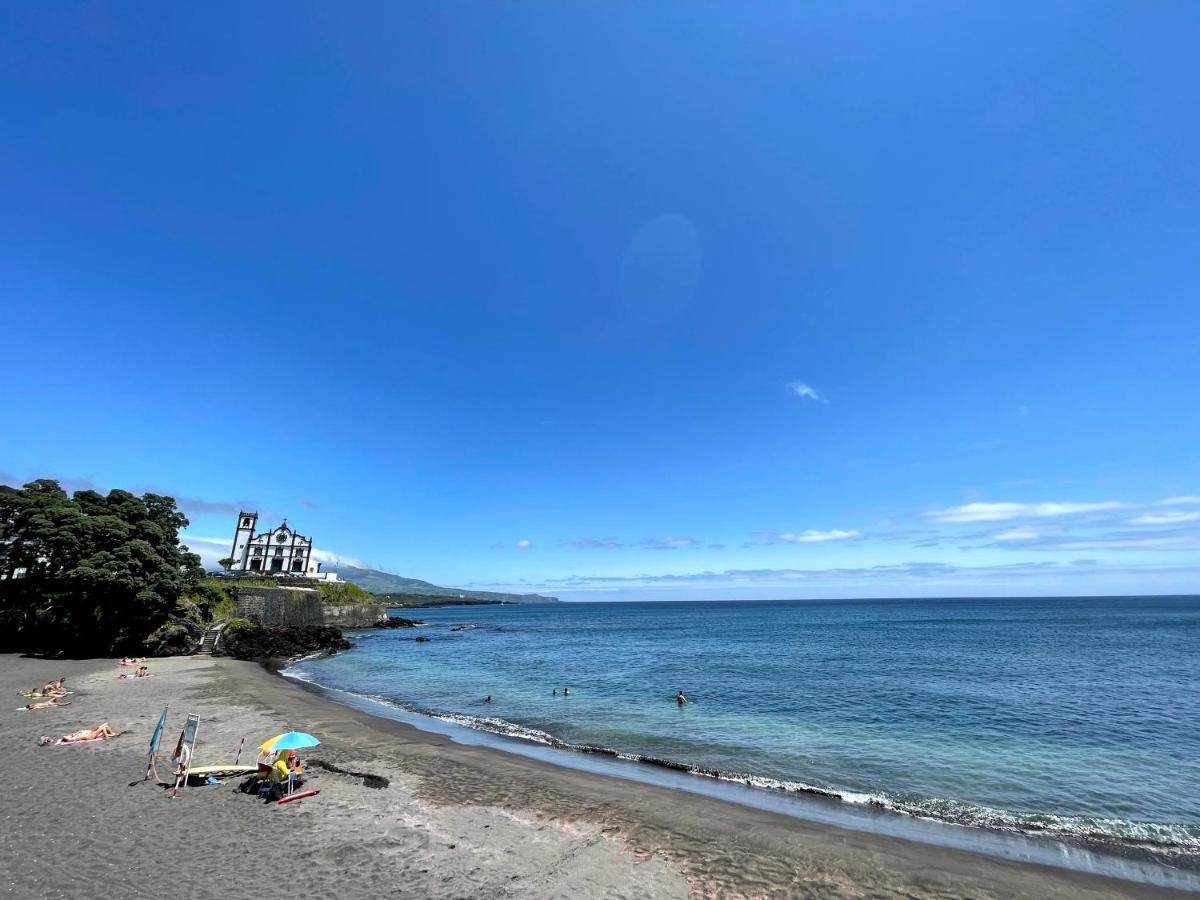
1076 719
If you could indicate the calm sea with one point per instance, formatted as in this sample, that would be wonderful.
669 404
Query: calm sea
1073 717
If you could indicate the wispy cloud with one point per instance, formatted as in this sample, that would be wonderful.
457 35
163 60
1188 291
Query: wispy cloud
885 578
668 543
213 549
1177 517
190 506
813 536
800 389
329 557
524 545
1025 533
1002 512
209 549
591 543
307 504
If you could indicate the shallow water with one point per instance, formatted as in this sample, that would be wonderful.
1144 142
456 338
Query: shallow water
1073 717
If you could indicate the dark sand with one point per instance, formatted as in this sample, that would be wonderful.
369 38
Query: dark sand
455 821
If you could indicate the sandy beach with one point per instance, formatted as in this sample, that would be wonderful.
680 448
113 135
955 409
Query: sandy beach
453 820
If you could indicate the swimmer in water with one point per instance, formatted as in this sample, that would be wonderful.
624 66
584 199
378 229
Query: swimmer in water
555 692
487 699
566 692
680 699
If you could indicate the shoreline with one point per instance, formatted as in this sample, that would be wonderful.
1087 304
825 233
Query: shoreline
455 820
811 804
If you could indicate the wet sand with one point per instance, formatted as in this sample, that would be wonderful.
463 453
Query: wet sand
454 820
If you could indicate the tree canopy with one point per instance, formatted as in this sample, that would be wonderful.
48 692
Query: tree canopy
89 573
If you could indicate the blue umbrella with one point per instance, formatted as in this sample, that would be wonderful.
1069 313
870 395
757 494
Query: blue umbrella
292 740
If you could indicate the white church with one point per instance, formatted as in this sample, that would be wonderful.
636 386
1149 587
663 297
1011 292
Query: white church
280 551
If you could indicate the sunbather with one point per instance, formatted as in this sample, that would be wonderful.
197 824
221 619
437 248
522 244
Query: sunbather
53 701
99 733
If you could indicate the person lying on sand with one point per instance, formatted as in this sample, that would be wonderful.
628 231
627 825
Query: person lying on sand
53 701
99 733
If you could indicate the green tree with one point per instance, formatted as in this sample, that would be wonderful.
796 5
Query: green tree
91 573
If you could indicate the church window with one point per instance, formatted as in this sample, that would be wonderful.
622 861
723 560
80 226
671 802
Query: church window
282 537
279 551
246 522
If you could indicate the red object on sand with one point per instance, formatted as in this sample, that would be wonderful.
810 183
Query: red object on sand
299 796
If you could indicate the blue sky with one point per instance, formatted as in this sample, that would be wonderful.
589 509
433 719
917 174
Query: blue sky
619 300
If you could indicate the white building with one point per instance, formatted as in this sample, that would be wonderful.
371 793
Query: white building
280 551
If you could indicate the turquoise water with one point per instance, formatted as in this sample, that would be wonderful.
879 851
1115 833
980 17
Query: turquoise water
1073 717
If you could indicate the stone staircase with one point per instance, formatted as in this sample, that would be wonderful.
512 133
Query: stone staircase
208 643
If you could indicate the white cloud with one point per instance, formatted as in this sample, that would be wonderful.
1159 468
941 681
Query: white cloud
812 536
1173 517
668 543
800 389
1002 512
334 559
524 545
1178 501
213 549
1118 542
209 549
1024 533
592 543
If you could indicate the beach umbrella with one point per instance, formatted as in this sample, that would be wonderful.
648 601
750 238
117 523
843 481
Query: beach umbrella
291 740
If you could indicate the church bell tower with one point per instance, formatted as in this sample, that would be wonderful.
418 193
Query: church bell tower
247 522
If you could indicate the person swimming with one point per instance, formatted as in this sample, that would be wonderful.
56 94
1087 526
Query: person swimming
555 692
487 699
566 692
680 699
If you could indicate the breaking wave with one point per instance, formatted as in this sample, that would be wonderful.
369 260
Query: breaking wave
1167 843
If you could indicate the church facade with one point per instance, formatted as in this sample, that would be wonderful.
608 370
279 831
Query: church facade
279 551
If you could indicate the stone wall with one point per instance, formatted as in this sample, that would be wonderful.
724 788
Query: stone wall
303 606
364 616
280 606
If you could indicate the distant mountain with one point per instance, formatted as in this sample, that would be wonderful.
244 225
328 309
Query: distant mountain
384 583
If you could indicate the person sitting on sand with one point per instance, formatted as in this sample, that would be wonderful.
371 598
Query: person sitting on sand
282 772
142 672
680 699
55 688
